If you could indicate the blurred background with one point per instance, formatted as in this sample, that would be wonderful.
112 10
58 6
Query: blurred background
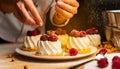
91 13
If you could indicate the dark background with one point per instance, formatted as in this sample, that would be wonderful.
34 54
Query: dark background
91 13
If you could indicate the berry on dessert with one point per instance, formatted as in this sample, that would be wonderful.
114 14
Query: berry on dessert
73 52
49 45
33 32
53 37
75 33
79 41
30 40
44 37
102 63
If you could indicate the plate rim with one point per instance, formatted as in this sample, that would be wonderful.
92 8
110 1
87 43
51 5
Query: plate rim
32 54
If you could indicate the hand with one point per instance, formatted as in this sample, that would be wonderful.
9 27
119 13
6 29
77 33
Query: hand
26 12
66 8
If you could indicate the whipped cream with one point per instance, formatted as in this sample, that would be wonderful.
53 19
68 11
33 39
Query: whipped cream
95 39
78 43
31 41
49 47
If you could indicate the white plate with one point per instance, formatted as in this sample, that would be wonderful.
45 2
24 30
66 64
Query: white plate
32 54
93 64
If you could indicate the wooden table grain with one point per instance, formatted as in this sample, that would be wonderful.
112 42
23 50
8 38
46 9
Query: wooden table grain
18 61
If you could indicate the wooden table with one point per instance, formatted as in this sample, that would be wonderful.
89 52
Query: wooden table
31 63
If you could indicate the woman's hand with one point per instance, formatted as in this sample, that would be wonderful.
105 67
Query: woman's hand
65 9
25 11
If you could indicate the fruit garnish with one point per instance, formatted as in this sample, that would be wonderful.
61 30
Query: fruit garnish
53 37
44 37
75 33
73 52
60 31
116 65
115 58
82 33
29 33
102 51
33 32
92 31
102 63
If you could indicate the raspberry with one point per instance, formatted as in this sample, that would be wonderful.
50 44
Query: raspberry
102 51
92 31
82 33
73 52
58 31
102 63
116 65
75 33
29 33
44 37
53 37
115 58
33 33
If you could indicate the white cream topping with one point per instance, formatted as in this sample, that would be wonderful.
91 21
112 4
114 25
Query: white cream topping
49 47
95 39
78 43
31 41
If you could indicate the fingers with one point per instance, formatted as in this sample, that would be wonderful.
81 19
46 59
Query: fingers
26 12
66 8
29 4
64 13
23 13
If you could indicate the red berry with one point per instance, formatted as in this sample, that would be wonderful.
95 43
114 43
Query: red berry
116 65
102 51
82 33
75 33
53 37
35 32
92 31
44 37
103 62
58 31
29 33
116 58
73 52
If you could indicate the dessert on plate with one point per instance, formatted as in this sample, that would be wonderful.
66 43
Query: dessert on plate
62 36
49 45
79 41
93 36
30 40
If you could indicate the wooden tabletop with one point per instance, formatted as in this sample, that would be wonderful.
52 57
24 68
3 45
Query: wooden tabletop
18 61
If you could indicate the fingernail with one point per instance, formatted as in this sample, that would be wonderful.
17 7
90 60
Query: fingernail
59 2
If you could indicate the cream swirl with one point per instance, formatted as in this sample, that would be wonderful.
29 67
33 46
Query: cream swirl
49 47
79 43
95 39
31 41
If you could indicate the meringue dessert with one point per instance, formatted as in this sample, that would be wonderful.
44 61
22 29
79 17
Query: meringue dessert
94 37
49 45
79 41
30 41
62 36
